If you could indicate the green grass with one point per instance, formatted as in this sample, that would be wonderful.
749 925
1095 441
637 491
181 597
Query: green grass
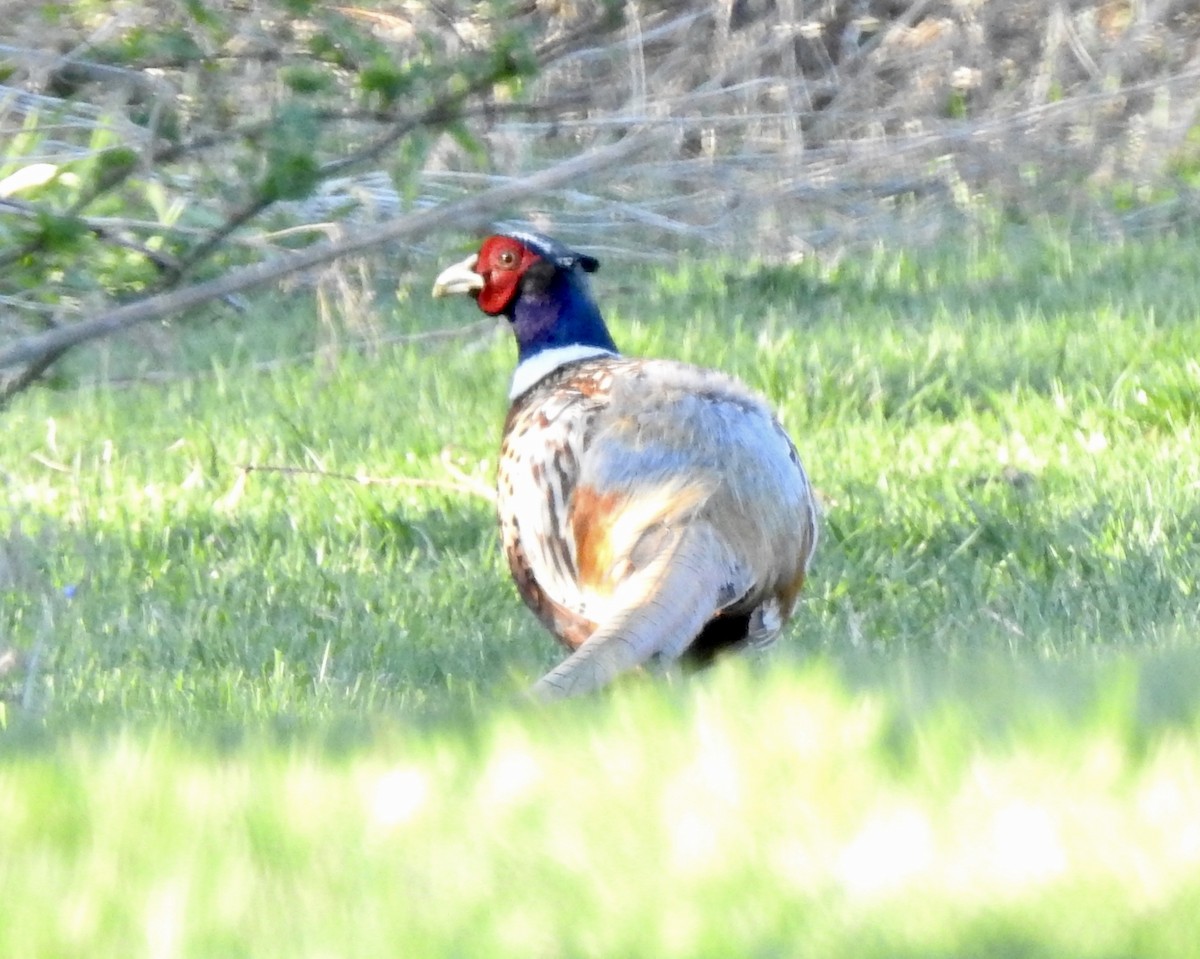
280 714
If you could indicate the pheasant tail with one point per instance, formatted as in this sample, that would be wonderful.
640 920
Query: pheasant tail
657 610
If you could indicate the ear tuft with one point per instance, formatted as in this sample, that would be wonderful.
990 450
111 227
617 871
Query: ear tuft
589 264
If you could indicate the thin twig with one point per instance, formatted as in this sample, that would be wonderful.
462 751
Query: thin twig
465 485
29 375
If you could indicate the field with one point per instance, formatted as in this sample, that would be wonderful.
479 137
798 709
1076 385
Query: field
278 713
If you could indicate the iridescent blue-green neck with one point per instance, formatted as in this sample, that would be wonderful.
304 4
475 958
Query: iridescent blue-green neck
550 312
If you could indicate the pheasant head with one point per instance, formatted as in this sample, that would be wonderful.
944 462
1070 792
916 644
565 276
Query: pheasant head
541 287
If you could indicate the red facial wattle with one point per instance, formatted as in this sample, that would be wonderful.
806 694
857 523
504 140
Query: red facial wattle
502 262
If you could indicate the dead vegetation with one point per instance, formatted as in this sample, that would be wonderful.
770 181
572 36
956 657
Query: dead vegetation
788 118
799 124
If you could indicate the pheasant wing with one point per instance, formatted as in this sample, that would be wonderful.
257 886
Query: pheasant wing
688 501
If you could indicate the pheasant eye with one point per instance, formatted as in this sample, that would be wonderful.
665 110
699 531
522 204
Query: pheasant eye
506 259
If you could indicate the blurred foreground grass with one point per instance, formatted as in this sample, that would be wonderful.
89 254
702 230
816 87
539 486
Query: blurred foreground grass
756 814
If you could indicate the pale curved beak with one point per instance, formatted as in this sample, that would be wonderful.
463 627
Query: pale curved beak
460 278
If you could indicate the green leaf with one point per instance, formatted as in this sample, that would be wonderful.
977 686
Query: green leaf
512 57
170 43
58 233
383 77
956 105
306 78
52 13
178 45
290 177
292 167
114 164
198 11
410 157
471 144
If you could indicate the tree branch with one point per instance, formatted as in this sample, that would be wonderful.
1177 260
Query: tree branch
31 349
30 375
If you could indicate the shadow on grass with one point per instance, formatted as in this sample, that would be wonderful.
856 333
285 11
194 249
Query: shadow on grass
400 610
999 604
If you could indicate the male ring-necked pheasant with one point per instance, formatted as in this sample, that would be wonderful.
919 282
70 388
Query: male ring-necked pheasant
648 508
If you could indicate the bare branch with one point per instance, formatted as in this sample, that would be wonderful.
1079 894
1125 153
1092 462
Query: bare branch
30 349
30 375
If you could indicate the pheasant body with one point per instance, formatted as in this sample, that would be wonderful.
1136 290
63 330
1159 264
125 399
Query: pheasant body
648 508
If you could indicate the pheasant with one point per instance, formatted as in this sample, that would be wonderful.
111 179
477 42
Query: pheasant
648 508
